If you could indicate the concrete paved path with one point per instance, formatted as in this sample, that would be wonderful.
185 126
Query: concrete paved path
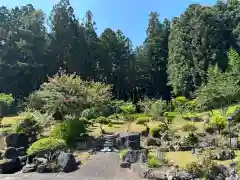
102 166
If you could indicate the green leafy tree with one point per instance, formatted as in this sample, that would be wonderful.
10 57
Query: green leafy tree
143 121
157 53
157 110
234 61
5 101
181 104
221 89
128 109
69 94
219 122
195 43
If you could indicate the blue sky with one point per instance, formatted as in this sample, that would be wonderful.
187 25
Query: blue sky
130 16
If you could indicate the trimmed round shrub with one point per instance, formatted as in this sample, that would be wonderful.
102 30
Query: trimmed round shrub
153 162
128 108
190 140
210 129
68 130
86 121
156 130
103 120
151 142
189 127
143 121
30 127
90 113
45 145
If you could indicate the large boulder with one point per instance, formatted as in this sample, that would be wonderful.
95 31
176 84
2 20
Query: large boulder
8 166
22 151
40 160
158 174
141 170
224 155
150 141
184 175
133 156
11 153
125 164
67 162
29 168
44 168
17 140
122 141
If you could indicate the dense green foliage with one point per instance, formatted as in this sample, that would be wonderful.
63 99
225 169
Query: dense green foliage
219 122
68 95
28 126
143 121
153 161
173 60
68 130
5 101
46 144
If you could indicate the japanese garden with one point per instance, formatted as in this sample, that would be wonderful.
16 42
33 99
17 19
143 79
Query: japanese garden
166 109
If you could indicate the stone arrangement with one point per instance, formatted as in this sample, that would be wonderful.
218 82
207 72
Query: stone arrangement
224 154
128 140
14 158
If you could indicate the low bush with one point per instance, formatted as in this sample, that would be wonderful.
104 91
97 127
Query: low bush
68 130
190 140
128 117
238 164
30 127
123 153
156 130
154 162
128 108
209 129
169 117
152 142
143 121
194 168
189 127
103 120
115 117
158 108
86 121
90 113
208 164
204 167
219 122
46 144
145 105
6 100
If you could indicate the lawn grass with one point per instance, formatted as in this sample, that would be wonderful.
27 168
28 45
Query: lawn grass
182 158
95 131
178 123
11 120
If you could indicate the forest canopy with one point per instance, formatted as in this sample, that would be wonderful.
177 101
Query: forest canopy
176 58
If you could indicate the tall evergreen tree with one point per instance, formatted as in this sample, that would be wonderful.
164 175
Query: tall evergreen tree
157 54
197 40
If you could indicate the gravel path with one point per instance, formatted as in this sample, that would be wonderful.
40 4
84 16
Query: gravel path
102 166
